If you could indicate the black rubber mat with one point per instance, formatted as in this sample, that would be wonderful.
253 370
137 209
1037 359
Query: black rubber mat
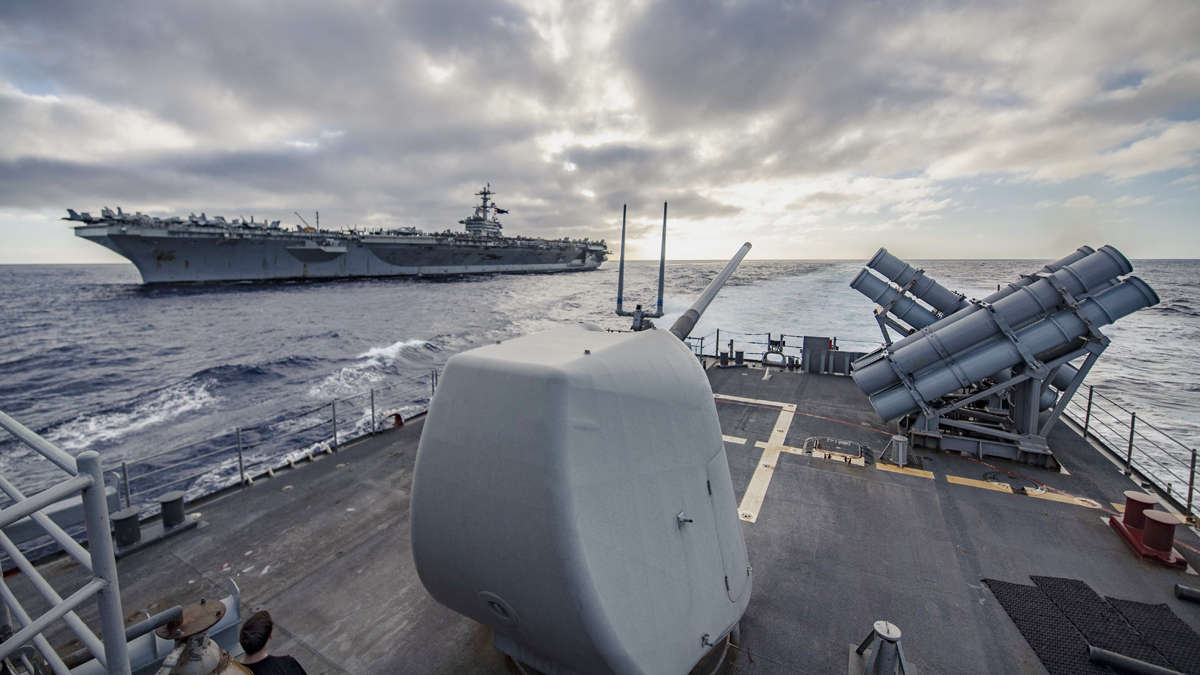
1167 632
1101 624
1058 644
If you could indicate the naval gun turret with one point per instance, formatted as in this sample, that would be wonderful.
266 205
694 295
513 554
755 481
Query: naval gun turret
572 492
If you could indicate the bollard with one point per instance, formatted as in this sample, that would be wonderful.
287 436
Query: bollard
172 509
738 357
1159 533
127 528
1148 533
724 358
1136 505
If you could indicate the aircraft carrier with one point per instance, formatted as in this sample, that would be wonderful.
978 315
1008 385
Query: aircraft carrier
644 507
203 249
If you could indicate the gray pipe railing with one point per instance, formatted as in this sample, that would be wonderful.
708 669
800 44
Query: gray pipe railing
86 477
228 462
1154 454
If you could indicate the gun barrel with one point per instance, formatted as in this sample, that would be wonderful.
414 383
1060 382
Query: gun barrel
683 325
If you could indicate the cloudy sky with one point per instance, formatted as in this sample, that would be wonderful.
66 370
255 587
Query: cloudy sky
814 130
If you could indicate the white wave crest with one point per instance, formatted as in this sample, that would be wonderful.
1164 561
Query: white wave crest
358 378
162 406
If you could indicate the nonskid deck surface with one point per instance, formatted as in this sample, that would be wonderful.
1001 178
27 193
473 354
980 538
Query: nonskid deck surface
837 547
834 547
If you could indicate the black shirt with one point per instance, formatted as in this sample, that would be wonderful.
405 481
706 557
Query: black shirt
276 665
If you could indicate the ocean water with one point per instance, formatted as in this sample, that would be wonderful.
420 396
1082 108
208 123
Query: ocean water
93 360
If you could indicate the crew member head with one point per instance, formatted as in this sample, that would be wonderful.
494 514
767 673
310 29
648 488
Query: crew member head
255 632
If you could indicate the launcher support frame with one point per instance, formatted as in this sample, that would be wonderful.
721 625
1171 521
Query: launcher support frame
1027 439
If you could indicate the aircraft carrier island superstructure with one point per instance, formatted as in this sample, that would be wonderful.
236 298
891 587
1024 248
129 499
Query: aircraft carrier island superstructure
199 249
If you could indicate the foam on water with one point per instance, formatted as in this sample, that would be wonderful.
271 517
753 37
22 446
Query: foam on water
373 367
87 349
160 407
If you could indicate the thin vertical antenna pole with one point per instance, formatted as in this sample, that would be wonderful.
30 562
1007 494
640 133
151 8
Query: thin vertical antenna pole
662 261
621 273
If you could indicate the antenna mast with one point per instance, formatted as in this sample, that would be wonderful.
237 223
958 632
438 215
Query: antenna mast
662 263
641 318
621 273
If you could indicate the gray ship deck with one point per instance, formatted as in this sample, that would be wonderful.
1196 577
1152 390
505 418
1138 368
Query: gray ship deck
834 547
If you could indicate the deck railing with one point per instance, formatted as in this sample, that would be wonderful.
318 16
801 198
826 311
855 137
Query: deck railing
238 456
84 476
1157 456
756 345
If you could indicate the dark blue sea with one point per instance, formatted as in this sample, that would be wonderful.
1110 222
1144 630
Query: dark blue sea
93 360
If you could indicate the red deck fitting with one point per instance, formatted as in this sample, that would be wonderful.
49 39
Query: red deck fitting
1149 534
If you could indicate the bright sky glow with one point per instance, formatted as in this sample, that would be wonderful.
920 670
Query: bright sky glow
814 130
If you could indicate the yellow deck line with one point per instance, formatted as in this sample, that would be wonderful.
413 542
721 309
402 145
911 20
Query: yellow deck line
782 448
756 491
777 404
983 484
1048 495
891 468
733 439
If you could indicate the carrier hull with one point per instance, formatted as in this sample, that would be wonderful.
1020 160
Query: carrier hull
199 254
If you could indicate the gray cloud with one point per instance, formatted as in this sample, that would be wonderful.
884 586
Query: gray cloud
792 116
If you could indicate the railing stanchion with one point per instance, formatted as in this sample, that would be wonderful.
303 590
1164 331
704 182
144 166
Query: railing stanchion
1087 415
334 404
241 462
1129 455
1191 519
374 423
129 493
717 345
104 565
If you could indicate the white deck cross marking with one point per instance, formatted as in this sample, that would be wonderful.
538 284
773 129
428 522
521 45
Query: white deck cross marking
733 439
756 491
